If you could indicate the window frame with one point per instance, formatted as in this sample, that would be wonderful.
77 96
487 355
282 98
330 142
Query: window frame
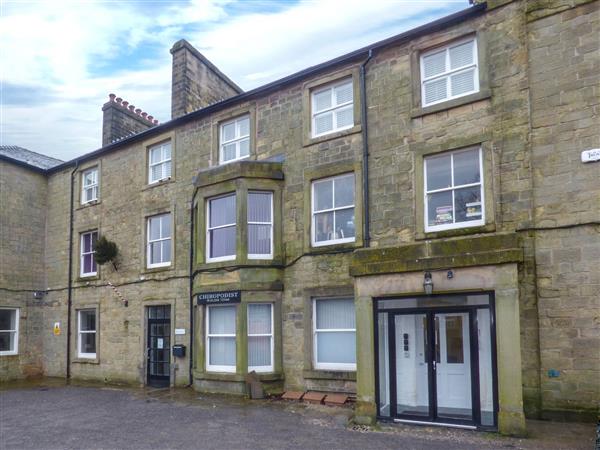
331 87
341 367
215 367
83 254
209 229
162 162
314 242
248 223
15 331
455 225
81 354
261 369
149 242
95 187
449 72
237 139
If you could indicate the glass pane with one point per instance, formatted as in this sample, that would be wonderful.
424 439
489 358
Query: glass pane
323 191
486 388
7 341
466 167
322 100
156 172
89 195
228 132
259 351
336 347
439 208
461 55
428 302
222 351
229 152
166 169
221 319
438 172
165 222
166 149
87 320
154 228
259 206
384 364
468 204
323 123
259 319
155 155
244 127
7 319
222 211
434 64
324 227
412 388
344 191
344 224
335 314
155 253
244 147
435 90
343 93
87 242
88 342
453 368
463 82
344 117
259 239
166 250
88 264
222 242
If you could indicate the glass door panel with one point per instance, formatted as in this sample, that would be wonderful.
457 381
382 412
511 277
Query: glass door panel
453 366
486 383
412 388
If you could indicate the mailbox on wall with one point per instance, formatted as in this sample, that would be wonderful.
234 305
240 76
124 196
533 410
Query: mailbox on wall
179 350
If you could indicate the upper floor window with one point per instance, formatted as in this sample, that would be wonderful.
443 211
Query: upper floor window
159 162
9 331
260 225
334 333
449 72
89 185
221 228
453 190
260 337
234 141
159 241
332 108
87 262
86 333
333 210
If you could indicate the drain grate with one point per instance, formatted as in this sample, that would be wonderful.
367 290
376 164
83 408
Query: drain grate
361 428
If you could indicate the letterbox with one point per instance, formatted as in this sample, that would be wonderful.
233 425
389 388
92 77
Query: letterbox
179 350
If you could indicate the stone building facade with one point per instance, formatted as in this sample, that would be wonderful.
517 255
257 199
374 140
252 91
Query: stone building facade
309 229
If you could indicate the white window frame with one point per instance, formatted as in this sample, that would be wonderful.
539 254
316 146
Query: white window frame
237 139
313 227
260 255
269 368
313 114
212 367
209 229
481 184
94 187
342 367
84 254
15 331
149 241
81 354
162 162
449 72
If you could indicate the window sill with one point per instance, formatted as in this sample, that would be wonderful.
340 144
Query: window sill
229 376
158 183
489 228
460 101
328 137
329 375
86 278
315 250
94 361
158 269
4 354
88 204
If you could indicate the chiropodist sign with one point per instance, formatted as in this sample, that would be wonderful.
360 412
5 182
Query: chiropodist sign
218 298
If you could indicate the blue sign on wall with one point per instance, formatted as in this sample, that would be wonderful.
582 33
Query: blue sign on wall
215 298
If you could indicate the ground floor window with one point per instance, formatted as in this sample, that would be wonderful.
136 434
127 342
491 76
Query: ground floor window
334 334
220 338
86 333
9 331
260 337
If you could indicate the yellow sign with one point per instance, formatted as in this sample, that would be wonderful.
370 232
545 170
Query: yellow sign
56 328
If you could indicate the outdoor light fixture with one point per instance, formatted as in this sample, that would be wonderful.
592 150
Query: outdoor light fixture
428 283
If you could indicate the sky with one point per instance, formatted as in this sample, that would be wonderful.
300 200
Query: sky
60 59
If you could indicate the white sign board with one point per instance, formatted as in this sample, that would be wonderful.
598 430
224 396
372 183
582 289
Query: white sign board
179 331
590 155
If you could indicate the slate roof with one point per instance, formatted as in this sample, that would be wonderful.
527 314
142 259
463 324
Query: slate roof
27 157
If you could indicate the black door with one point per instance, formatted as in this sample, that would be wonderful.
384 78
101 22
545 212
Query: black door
159 345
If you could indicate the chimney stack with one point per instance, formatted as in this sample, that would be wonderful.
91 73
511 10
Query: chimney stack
196 82
122 119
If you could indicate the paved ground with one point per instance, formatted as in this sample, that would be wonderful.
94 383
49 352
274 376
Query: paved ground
54 416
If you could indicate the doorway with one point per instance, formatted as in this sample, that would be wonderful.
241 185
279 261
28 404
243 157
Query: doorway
436 360
158 351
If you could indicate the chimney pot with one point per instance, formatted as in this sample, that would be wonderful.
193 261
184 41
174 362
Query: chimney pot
155 122
138 111
119 100
131 108
125 103
144 114
111 97
150 118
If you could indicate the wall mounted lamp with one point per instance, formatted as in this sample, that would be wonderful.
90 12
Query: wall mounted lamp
428 283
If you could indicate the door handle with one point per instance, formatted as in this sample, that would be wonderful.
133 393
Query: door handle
434 364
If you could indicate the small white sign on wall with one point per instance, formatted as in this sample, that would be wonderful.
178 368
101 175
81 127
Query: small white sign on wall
179 331
590 155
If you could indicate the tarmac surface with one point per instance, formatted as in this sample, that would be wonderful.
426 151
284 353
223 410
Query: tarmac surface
51 415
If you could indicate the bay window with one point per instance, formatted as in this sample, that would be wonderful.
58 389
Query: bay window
260 225
220 338
260 337
221 228
333 210
334 334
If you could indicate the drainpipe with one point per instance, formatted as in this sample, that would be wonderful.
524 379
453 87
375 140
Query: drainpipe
365 159
70 277
192 240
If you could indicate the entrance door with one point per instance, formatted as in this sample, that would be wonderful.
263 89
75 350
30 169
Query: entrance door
159 346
